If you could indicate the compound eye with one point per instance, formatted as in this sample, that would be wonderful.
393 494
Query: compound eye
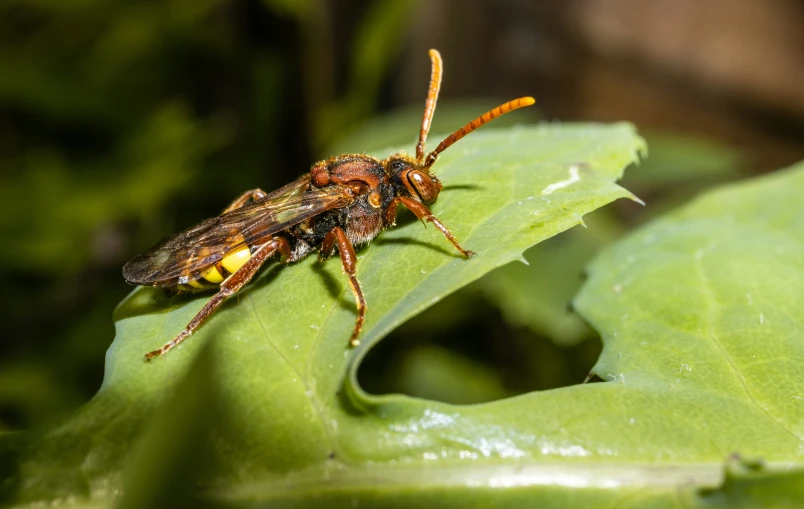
423 185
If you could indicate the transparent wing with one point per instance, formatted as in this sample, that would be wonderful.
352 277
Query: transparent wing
287 191
188 254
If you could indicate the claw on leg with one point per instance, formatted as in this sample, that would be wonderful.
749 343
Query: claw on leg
424 215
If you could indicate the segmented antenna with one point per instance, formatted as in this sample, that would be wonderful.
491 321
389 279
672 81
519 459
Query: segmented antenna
476 123
430 103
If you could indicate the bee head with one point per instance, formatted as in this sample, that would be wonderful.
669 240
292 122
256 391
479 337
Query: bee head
415 179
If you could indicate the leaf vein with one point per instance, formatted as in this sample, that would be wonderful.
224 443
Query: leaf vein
706 287
315 403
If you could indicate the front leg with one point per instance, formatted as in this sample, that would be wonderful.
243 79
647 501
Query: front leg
349 264
424 214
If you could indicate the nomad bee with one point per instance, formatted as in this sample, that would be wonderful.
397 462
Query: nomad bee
344 201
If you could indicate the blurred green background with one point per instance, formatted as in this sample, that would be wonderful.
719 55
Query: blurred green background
121 122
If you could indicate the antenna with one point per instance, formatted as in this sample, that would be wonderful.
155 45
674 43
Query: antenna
430 103
474 124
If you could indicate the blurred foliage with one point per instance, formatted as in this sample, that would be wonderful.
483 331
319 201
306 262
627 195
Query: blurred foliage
100 131
677 159
373 53
440 374
749 483
80 203
537 294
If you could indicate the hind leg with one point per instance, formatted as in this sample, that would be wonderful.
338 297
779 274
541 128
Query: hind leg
230 286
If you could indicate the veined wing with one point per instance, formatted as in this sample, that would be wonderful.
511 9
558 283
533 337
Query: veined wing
183 257
295 188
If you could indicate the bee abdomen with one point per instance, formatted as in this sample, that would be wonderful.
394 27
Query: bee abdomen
213 276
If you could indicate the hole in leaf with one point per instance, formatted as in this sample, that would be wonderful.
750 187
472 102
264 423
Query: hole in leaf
462 351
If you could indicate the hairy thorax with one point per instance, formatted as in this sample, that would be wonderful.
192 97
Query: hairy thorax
364 222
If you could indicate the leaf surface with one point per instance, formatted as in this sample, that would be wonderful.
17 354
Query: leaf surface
700 312
702 321
289 413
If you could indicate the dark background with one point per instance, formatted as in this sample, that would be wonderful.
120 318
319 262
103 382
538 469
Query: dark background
121 122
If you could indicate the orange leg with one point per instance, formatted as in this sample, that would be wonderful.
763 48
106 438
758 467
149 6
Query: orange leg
252 195
349 263
229 287
424 214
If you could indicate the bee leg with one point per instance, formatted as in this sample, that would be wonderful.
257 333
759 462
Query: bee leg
424 214
229 287
349 263
251 195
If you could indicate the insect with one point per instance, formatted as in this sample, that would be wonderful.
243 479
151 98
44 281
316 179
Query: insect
342 202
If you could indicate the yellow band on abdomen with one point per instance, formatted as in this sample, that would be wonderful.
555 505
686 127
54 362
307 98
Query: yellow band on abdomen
213 275
236 259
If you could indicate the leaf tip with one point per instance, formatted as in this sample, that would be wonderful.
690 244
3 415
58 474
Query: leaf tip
633 197
581 221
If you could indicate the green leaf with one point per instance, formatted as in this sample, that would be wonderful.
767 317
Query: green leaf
683 159
289 408
165 463
749 483
702 312
436 373
296 8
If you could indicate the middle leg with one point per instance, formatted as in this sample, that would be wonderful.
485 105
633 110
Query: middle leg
349 264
